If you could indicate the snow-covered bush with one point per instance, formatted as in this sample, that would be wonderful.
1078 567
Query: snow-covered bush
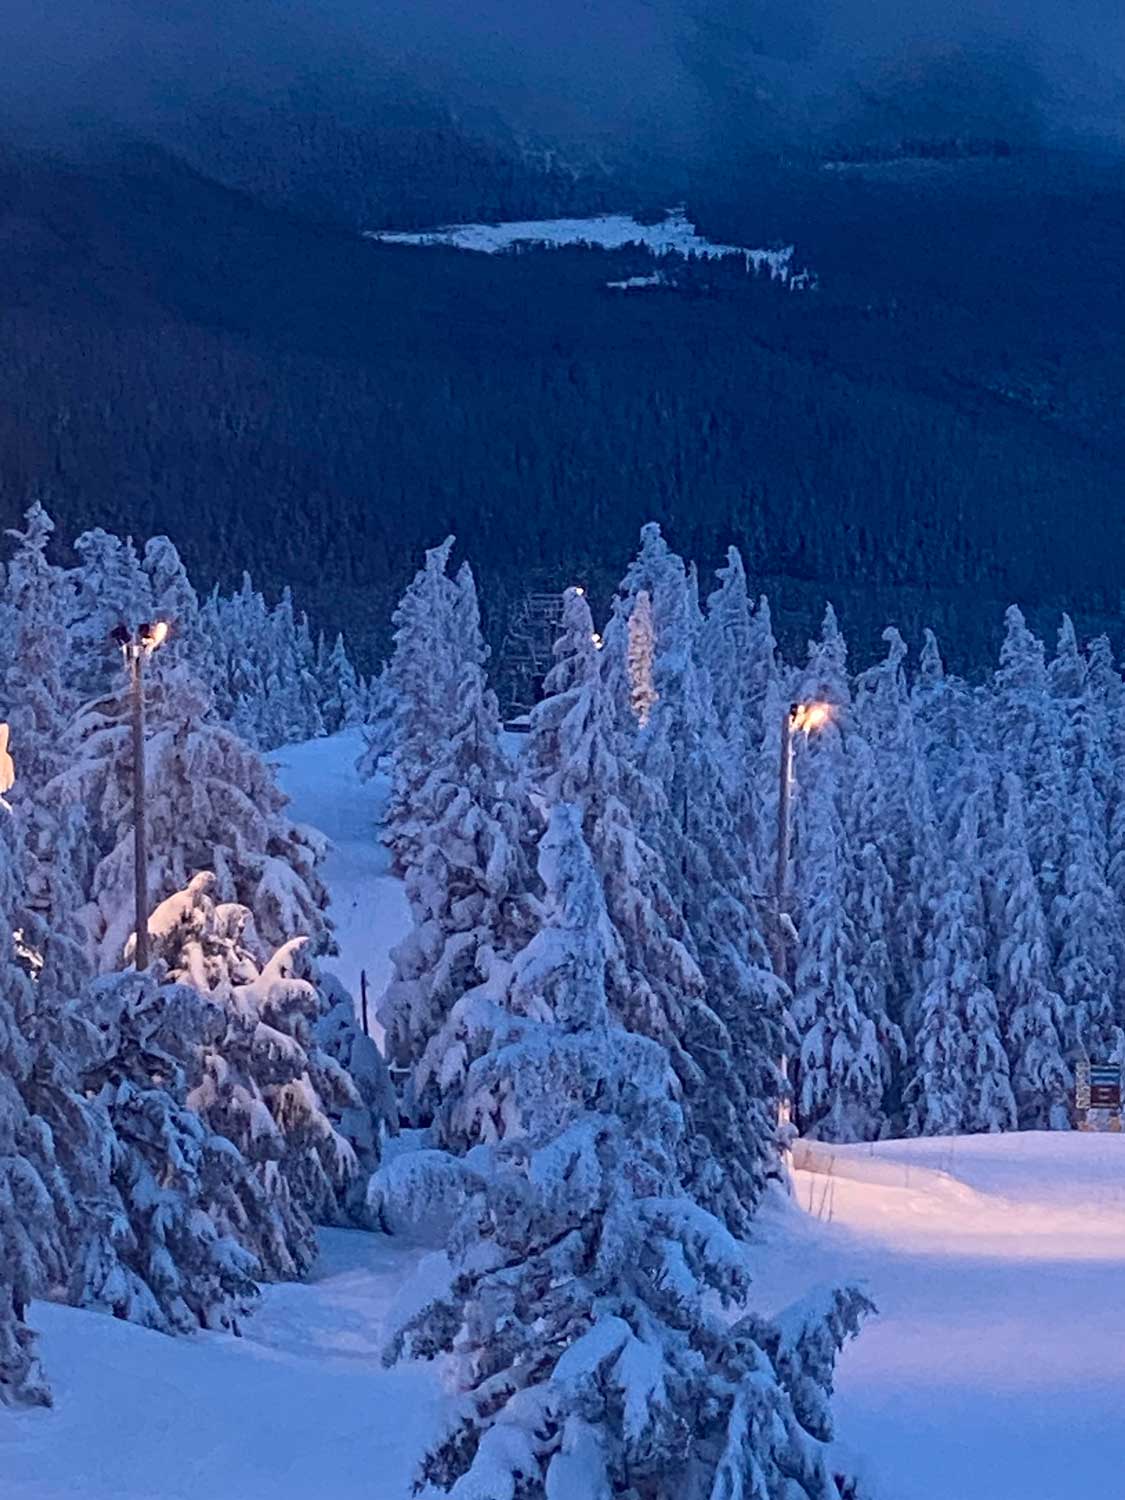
266 1083
157 1248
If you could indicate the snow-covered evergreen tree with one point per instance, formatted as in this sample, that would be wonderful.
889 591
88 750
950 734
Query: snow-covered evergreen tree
368 1118
343 699
110 589
33 1198
725 653
466 881
738 653
1031 1010
213 804
579 1314
270 683
1086 922
644 696
839 1068
37 705
291 709
959 1076
175 602
235 631
155 1243
721 1023
423 679
265 1082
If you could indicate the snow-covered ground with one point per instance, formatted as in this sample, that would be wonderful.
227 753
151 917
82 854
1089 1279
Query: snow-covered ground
368 905
297 1409
674 235
994 1371
996 1367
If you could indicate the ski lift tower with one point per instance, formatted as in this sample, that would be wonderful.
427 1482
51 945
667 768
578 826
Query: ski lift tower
528 652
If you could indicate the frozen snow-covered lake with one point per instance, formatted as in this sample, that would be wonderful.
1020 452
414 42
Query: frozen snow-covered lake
673 235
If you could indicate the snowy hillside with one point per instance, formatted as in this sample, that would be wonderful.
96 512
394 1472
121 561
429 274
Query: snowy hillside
995 1371
996 1368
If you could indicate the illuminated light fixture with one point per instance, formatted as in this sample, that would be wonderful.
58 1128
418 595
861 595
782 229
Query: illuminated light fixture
152 635
579 590
7 765
809 717
597 640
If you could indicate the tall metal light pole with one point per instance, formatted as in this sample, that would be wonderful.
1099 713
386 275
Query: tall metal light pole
798 718
136 648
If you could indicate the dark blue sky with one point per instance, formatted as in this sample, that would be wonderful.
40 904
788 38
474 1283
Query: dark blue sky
581 66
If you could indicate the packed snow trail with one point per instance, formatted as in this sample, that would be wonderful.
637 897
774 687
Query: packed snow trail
300 1407
368 903
996 1367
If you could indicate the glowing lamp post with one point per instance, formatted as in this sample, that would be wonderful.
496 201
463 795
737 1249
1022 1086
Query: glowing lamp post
807 719
799 718
136 648
7 765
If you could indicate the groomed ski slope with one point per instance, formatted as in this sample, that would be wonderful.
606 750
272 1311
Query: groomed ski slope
995 1371
996 1367
368 907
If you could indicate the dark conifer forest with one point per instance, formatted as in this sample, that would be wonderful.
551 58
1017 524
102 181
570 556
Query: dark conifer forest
197 339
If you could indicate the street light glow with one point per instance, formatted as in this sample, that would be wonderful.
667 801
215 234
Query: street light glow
809 717
154 635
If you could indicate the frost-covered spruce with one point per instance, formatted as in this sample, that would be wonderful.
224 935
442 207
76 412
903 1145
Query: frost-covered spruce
839 1068
174 601
655 985
579 1316
290 710
110 588
155 1243
880 811
739 654
213 804
266 1084
37 705
365 1123
467 880
343 694
725 651
1086 924
35 1202
959 1073
676 776
422 679
1032 1011
235 632
262 667
378 725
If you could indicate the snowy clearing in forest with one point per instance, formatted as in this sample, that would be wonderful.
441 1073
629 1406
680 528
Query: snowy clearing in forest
995 1369
673 235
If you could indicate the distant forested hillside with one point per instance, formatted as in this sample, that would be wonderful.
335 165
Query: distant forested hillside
934 433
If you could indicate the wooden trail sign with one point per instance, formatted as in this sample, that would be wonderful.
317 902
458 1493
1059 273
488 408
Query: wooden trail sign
1097 1096
1105 1086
